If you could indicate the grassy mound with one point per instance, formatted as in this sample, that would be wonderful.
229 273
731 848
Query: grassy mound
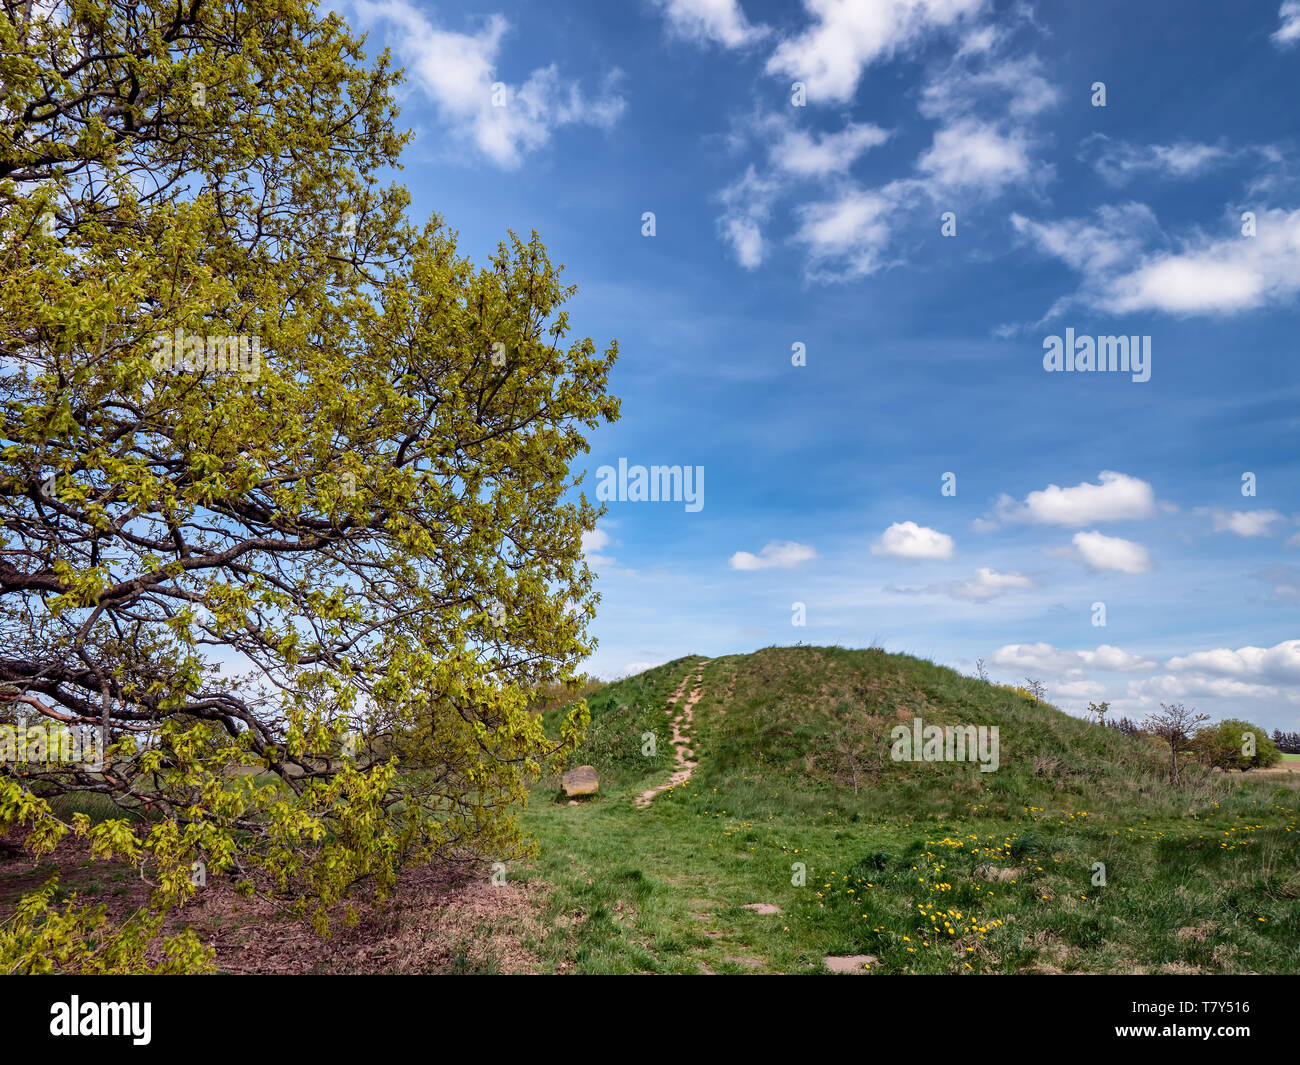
1075 855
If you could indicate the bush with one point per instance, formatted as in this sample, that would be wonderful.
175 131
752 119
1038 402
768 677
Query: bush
1223 746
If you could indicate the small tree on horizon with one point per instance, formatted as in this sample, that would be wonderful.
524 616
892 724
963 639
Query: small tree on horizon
1177 725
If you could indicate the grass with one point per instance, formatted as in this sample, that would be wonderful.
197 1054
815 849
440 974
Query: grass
930 867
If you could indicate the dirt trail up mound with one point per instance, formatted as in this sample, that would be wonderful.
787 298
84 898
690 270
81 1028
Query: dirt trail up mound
683 741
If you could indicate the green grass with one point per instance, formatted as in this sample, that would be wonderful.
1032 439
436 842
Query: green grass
1291 757
1203 878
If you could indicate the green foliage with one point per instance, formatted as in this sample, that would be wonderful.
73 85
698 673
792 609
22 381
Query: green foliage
1224 745
370 517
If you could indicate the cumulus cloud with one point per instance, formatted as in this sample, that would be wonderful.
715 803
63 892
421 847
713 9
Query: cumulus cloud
847 237
1103 553
1166 687
457 71
1043 657
1279 664
1078 689
1247 523
975 154
776 554
1116 497
794 156
846 38
985 585
1271 675
908 540
711 21
1200 274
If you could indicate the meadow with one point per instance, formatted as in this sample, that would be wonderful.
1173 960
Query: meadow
1075 856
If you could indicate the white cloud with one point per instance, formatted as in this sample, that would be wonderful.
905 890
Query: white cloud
1117 162
908 540
1115 659
1043 657
983 102
1204 275
594 540
847 236
971 153
777 554
1078 689
1093 248
1118 497
718 21
985 585
793 155
747 205
1279 664
848 36
1271 674
1016 84
593 544
1247 523
1168 688
1289 31
1103 553
804 155
458 70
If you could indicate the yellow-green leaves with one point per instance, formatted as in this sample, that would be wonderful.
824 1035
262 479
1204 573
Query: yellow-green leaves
318 587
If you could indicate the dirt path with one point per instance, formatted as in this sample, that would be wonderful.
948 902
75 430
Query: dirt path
683 741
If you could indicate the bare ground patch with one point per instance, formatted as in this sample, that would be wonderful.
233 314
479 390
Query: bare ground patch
440 918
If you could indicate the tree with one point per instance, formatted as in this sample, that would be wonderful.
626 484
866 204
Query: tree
1177 726
1037 689
1100 710
1235 744
283 478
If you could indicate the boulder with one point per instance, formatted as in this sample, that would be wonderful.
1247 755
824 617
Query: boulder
580 781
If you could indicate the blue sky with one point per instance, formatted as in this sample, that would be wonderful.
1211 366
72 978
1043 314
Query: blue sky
813 215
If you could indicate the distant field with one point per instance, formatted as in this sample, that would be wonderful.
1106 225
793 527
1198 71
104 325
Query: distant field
1291 757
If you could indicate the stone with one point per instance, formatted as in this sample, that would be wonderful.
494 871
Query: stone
580 781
